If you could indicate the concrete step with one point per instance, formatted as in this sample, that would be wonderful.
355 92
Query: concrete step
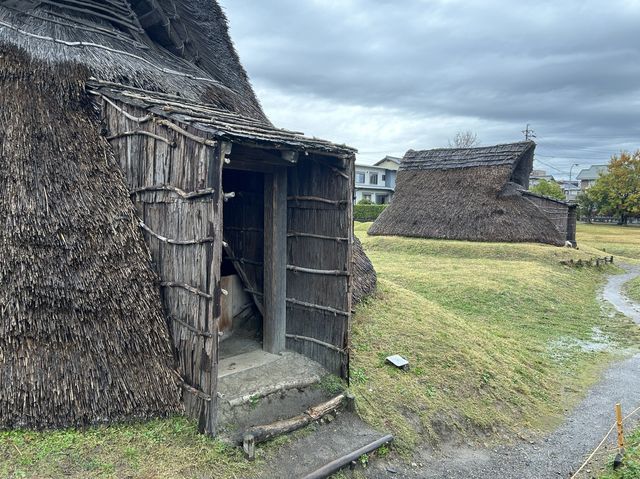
261 388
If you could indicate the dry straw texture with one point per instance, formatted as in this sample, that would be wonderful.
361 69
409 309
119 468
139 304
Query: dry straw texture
478 198
82 335
364 275
191 55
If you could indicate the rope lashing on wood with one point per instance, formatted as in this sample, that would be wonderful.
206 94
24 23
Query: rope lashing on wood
118 52
316 341
128 116
173 189
186 287
196 392
193 329
334 169
325 272
162 122
294 234
318 199
174 241
316 306
124 134
183 132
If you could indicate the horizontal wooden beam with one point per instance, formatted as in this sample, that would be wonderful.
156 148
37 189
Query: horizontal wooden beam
325 272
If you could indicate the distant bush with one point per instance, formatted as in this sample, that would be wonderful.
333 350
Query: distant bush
367 212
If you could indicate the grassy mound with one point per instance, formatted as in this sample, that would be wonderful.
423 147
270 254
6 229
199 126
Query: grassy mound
500 337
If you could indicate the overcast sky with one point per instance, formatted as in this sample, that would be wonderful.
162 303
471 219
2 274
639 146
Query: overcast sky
388 75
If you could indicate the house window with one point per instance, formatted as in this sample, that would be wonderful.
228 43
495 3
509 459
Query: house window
383 177
360 178
373 178
366 197
382 199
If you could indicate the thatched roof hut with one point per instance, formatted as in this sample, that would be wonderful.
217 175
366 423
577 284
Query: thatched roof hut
474 194
131 133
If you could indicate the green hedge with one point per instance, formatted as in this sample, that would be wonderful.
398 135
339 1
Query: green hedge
367 212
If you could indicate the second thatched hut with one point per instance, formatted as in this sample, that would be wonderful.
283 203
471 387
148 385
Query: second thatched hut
474 194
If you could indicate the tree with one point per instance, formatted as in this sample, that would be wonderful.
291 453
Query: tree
587 205
550 189
464 139
618 190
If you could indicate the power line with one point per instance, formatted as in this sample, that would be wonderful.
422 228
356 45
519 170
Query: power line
548 165
572 158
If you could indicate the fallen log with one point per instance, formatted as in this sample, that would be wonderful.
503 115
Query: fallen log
258 434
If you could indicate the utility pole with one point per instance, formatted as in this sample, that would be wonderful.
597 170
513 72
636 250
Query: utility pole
571 170
528 133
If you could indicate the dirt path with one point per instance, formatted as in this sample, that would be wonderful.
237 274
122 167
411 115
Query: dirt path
561 452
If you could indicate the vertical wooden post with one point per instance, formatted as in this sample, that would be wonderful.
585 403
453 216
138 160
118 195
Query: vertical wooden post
275 261
620 430
214 259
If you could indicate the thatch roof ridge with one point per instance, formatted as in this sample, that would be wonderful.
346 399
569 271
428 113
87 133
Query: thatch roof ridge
448 158
209 71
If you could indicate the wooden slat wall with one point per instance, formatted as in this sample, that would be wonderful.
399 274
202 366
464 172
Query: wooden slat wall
190 166
313 177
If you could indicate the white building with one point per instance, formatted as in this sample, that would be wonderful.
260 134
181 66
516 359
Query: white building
377 182
588 177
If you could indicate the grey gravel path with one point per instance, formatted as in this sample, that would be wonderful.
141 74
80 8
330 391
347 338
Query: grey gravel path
561 452
612 292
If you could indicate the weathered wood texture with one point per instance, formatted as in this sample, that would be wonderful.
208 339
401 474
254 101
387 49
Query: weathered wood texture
244 227
275 261
559 213
319 305
188 266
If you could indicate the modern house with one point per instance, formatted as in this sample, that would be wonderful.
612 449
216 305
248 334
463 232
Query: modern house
474 194
139 174
588 176
571 190
377 182
537 175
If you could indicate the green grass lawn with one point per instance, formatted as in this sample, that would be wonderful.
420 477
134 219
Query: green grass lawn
169 448
632 289
500 337
622 241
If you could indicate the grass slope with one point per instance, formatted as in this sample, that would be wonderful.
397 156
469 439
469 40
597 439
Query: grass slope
500 337
497 335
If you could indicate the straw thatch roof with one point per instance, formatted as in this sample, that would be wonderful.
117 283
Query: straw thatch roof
83 338
473 194
173 46
365 278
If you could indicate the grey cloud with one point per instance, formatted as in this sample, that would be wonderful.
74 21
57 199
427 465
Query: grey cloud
567 67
